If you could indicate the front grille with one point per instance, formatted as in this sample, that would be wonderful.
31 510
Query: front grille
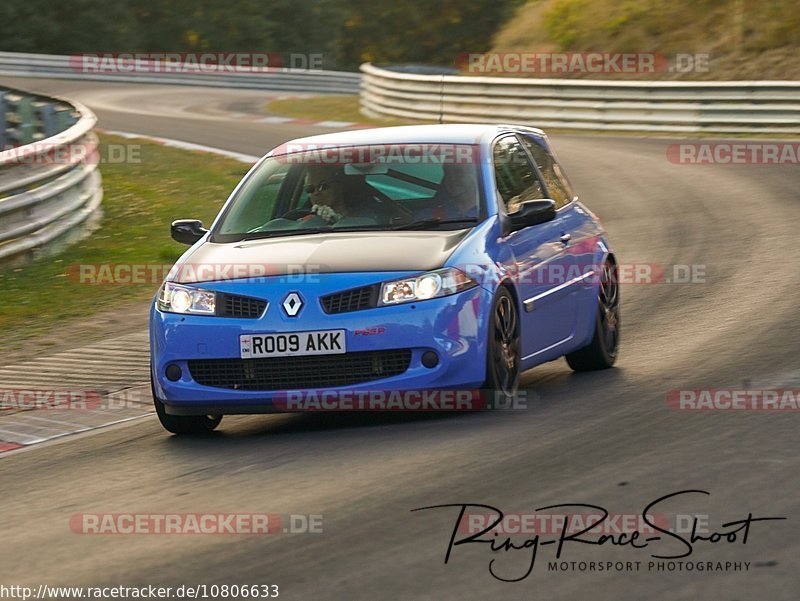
356 299
295 373
232 305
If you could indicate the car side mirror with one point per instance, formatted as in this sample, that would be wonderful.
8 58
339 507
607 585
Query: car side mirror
187 231
533 212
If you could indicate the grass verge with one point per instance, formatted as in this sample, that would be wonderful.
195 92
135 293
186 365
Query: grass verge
141 198
329 108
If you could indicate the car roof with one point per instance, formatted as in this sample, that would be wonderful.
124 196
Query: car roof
450 133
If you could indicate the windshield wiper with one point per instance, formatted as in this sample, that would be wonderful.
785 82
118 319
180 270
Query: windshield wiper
426 224
310 230
281 233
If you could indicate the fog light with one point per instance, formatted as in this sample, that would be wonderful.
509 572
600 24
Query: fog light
430 359
174 372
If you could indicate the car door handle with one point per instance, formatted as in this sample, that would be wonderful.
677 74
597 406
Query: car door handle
565 238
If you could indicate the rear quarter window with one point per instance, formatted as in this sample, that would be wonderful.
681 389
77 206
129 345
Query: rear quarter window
553 175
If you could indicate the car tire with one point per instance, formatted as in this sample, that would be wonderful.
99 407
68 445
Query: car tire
601 352
503 348
187 425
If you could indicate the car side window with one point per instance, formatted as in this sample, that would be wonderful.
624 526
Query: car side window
514 175
265 189
554 178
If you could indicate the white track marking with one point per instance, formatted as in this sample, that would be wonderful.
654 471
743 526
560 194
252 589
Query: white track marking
244 158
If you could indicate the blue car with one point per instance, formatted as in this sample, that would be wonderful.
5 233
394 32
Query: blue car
346 266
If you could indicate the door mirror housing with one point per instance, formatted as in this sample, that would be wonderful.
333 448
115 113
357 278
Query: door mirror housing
533 212
187 231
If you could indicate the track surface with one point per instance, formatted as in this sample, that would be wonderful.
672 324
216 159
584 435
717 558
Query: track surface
606 438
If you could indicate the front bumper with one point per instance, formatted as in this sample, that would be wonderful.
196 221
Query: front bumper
453 327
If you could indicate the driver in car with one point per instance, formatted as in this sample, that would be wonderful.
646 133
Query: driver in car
457 196
335 195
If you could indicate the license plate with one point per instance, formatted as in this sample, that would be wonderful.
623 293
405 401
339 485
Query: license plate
322 342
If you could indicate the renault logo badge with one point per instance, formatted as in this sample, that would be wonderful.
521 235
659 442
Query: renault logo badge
292 304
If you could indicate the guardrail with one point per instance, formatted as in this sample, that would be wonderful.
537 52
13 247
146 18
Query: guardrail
50 187
297 80
769 107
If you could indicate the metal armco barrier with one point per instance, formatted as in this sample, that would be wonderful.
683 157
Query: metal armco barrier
50 187
767 107
297 80
28 118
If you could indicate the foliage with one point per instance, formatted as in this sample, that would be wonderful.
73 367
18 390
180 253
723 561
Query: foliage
345 32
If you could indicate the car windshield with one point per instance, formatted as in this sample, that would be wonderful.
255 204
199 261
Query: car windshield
370 188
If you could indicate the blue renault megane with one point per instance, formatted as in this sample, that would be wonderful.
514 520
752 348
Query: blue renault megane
423 258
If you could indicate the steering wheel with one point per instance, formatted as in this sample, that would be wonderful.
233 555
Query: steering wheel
297 214
384 204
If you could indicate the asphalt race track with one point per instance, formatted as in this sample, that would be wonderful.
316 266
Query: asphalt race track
606 438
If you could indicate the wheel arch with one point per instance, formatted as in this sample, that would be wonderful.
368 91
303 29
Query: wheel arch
509 285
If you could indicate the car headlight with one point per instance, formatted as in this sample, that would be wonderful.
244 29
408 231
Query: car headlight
441 282
175 298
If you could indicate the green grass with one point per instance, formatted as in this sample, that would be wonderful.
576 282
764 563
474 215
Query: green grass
140 201
329 108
